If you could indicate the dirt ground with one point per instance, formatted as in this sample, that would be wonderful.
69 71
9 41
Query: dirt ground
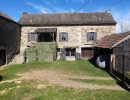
54 77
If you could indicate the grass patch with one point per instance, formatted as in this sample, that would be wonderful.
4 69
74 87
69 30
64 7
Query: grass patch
29 90
7 85
128 74
78 67
64 93
99 82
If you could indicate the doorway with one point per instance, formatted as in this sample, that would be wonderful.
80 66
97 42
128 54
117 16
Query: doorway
2 57
70 52
87 53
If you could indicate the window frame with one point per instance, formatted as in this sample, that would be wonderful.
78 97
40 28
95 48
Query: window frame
91 37
31 36
63 37
70 52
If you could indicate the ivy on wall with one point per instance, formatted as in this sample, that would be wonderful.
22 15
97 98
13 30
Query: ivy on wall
41 51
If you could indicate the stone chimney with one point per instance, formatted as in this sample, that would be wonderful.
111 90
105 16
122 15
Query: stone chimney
108 11
25 13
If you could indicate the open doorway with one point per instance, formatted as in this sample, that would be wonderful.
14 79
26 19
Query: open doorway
2 57
45 37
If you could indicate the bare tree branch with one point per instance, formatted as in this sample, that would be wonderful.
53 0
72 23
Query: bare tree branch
124 26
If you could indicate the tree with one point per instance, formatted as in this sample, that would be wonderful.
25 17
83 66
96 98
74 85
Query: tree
124 26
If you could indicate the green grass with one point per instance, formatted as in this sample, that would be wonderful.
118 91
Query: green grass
78 67
99 82
62 93
7 85
128 74
28 89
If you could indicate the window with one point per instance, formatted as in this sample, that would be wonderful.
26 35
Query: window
70 52
91 36
31 36
58 49
63 36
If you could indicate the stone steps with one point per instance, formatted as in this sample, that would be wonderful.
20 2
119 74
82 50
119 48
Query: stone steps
70 59
18 59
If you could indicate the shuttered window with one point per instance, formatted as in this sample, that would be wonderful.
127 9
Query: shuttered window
91 36
31 36
63 36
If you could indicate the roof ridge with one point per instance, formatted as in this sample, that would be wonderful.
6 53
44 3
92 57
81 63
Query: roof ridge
63 13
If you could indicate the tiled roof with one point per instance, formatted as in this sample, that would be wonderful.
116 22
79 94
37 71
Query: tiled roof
110 40
96 18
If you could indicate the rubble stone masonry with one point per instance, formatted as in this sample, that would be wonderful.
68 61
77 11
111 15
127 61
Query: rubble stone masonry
9 37
77 35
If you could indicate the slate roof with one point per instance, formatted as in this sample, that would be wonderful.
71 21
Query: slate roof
5 16
57 19
110 40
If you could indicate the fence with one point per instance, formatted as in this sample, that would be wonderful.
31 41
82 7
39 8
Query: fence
122 68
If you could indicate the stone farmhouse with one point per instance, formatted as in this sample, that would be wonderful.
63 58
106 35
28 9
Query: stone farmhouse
67 35
9 38
75 33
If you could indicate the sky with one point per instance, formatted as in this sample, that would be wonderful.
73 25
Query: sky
14 8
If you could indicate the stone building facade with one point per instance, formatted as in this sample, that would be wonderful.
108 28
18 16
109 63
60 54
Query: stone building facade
9 38
74 35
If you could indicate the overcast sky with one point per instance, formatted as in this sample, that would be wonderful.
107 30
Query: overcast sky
14 8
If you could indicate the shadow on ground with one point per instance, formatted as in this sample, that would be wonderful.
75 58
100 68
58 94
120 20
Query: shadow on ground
124 86
1 78
118 81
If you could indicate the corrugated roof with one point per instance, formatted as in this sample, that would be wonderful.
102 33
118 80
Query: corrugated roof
96 18
110 40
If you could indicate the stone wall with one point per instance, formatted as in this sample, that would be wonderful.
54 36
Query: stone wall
76 34
9 38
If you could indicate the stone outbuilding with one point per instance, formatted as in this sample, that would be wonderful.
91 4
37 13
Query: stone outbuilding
9 38
75 33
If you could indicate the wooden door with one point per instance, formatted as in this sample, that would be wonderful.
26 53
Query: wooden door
87 53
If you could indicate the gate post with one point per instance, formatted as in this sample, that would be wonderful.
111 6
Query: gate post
123 69
112 63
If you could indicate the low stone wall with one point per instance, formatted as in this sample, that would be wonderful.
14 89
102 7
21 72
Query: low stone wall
42 51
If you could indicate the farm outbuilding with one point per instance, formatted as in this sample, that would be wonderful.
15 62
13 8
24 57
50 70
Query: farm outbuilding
118 49
9 38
